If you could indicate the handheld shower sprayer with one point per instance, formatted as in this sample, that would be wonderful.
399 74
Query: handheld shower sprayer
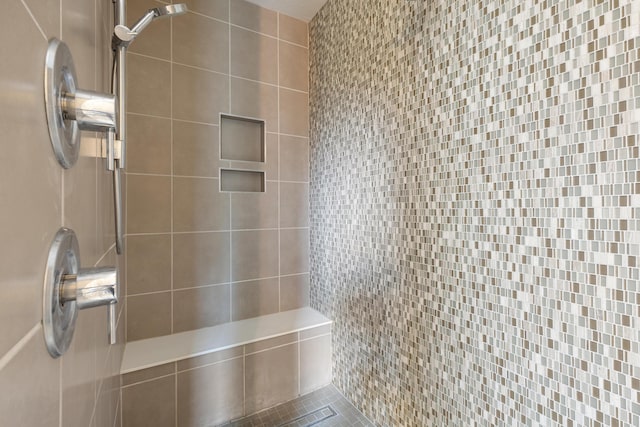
122 35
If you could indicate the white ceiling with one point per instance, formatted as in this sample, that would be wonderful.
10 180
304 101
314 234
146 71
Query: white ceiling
301 9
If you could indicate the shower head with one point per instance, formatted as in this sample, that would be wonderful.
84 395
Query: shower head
124 35
171 10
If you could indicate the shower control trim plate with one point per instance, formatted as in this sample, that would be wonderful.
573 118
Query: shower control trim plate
68 288
70 109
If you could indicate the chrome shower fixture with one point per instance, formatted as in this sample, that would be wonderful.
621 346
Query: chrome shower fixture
124 36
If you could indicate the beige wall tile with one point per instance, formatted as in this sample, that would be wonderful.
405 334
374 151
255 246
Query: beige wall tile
201 307
294 292
148 82
254 254
210 395
218 9
254 17
151 403
198 205
199 95
294 204
294 251
107 411
79 373
270 343
196 151
293 30
315 363
255 298
31 376
149 373
294 158
148 144
148 204
211 358
148 316
255 210
256 100
200 259
148 263
272 159
294 113
78 32
271 377
155 40
294 66
315 332
80 204
46 13
254 56
35 194
201 42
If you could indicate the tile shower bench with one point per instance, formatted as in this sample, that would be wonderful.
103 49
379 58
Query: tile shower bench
211 375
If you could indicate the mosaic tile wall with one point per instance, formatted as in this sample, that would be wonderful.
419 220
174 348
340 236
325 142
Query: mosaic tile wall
475 208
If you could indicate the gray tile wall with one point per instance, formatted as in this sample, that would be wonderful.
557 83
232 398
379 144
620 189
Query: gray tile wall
212 389
197 256
475 208
38 197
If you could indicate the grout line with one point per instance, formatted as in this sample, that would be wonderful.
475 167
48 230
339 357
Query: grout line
220 155
148 379
13 351
279 163
229 74
172 184
36 22
113 245
246 230
218 284
249 29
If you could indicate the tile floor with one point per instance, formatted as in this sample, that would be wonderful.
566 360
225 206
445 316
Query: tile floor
325 407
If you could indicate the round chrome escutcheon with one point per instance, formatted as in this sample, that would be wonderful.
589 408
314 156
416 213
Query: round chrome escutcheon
60 79
59 320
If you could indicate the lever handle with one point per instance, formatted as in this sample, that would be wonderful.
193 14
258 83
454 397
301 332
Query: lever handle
91 287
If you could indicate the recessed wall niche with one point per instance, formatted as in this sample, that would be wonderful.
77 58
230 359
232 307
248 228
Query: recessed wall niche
242 180
242 139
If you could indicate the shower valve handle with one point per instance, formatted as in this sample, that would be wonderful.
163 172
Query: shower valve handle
91 287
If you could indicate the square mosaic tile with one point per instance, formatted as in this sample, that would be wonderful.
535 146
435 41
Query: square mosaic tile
475 208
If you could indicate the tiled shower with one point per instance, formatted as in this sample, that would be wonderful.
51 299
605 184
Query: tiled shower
433 206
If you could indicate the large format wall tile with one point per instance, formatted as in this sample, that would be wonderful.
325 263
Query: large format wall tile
200 259
211 395
40 198
148 204
225 57
253 17
151 403
148 144
293 30
255 100
254 298
199 95
294 251
196 150
148 80
294 66
254 56
254 254
199 205
269 378
201 307
148 263
201 42
148 315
